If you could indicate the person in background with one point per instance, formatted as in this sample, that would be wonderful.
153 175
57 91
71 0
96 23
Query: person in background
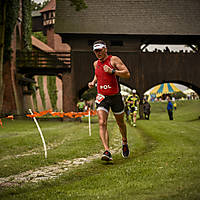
174 105
170 108
133 102
146 109
108 69
80 105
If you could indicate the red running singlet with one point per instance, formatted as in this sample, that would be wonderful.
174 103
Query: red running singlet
107 84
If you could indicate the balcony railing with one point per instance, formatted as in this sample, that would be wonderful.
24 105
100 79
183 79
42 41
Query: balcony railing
43 63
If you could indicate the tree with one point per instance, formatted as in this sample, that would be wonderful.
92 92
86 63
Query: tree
89 94
38 6
78 4
3 5
8 18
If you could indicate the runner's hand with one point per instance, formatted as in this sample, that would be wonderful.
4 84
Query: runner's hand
91 84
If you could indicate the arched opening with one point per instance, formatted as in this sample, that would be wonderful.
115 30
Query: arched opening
175 90
165 48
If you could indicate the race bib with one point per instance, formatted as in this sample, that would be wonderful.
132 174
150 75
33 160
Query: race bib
99 98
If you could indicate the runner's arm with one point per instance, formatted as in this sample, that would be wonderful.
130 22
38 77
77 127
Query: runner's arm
121 69
92 83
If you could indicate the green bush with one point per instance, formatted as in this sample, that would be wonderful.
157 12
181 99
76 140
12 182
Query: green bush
41 90
89 94
52 90
40 36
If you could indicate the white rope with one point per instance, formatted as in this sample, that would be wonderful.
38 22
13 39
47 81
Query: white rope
44 145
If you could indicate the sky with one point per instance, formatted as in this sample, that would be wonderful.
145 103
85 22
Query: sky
174 48
38 1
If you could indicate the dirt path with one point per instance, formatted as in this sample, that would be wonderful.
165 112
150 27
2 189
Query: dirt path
52 171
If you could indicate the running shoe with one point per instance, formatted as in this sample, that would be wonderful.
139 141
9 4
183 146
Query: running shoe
106 156
131 123
125 150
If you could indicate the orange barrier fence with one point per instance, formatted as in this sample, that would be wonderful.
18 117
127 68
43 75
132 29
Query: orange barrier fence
59 114
1 123
62 114
8 117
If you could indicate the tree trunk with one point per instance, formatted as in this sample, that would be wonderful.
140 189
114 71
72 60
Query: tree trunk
3 5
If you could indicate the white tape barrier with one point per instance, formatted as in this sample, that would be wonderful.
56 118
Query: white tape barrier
43 141
89 120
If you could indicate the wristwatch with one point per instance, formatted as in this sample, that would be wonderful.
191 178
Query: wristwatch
113 71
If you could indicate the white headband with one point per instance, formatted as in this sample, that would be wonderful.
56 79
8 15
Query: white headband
99 46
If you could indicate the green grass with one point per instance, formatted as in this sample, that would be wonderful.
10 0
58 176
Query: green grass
163 163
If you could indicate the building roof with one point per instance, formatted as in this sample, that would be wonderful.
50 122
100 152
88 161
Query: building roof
41 45
130 17
50 6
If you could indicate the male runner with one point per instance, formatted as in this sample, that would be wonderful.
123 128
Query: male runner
108 69
133 101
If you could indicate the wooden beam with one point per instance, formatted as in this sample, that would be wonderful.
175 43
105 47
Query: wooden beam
32 71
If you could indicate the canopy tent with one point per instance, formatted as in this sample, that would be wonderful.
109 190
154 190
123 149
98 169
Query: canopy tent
164 88
124 93
188 91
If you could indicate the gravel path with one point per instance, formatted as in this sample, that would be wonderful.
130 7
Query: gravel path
52 171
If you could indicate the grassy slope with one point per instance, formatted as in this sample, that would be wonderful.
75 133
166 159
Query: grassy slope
163 164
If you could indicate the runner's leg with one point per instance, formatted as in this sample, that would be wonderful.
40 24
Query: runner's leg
122 126
134 117
103 132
